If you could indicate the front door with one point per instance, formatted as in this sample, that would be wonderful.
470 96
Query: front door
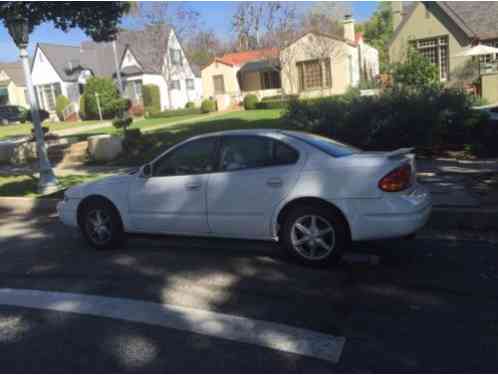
173 199
255 174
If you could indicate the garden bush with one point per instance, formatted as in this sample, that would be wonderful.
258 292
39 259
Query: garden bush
250 102
175 112
272 104
61 102
82 112
208 105
152 98
190 105
426 118
44 115
108 93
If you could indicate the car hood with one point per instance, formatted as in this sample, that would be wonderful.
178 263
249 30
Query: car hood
87 188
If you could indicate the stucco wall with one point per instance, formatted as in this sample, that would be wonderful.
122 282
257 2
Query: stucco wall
434 23
490 87
343 59
229 74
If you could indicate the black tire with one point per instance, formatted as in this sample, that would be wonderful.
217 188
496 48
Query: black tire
339 233
114 225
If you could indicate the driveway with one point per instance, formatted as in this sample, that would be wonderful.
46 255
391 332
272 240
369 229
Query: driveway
408 306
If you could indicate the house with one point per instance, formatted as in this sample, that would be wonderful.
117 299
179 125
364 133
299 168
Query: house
12 85
314 64
442 30
150 56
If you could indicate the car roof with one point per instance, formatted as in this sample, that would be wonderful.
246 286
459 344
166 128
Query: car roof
267 132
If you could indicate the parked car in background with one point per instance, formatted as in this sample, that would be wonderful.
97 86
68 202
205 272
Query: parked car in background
11 114
312 194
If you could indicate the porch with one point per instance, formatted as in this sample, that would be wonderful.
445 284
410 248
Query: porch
260 78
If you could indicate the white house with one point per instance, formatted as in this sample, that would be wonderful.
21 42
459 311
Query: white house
150 56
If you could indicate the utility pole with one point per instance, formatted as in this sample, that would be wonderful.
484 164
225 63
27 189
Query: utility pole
98 105
20 33
118 70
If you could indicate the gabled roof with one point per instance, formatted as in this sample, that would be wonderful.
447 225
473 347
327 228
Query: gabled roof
240 58
319 33
478 20
148 47
15 72
63 58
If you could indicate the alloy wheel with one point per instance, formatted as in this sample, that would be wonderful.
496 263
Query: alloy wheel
313 237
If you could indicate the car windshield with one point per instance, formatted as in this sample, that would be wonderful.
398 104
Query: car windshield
327 145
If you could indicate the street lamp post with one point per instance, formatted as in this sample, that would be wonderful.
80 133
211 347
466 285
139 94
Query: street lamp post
19 31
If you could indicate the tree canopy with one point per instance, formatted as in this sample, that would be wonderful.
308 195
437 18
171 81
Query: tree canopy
378 32
99 20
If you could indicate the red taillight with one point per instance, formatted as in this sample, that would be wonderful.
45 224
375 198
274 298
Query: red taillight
397 180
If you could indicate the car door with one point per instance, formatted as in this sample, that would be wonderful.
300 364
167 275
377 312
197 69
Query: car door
255 174
173 199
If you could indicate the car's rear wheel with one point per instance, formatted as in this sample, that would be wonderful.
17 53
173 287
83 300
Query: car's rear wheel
314 235
101 225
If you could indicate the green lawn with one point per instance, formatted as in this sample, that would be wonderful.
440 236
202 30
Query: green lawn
26 186
155 142
7 131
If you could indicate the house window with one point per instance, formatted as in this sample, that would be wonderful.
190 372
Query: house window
219 84
270 80
314 74
190 84
47 95
4 95
133 91
436 51
176 56
174 85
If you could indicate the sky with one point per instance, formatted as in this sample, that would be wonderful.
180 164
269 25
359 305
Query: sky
214 15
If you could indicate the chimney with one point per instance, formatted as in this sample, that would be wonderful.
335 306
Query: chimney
397 10
348 24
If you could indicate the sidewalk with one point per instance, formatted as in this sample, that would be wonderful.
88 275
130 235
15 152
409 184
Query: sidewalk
460 183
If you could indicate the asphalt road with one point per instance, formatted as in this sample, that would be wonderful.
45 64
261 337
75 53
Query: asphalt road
403 306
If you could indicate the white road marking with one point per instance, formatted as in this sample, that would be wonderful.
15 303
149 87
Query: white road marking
230 327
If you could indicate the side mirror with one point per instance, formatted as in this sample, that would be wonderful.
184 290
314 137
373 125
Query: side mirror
146 171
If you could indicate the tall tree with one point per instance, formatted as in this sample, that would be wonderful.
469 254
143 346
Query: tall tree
202 47
378 32
326 17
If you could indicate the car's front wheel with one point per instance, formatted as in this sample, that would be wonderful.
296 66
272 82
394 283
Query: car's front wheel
314 235
101 225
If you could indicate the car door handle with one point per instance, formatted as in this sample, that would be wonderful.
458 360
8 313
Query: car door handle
193 186
274 182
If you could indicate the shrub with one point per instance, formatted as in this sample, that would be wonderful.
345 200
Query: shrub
61 102
152 98
208 105
122 123
272 104
427 118
416 71
108 93
82 108
250 102
44 115
175 112
190 105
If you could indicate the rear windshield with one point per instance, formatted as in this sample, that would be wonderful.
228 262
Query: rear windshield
327 145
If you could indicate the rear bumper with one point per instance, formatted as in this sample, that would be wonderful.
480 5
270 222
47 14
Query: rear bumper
394 216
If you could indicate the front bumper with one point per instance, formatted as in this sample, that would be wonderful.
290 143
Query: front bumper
67 212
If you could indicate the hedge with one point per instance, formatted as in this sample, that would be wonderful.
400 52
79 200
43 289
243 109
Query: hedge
272 104
61 102
429 118
175 112
208 105
250 102
107 91
152 98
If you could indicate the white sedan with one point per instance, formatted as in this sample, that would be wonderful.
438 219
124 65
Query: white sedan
312 194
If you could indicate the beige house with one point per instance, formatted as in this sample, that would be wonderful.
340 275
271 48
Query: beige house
442 30
313 65
12 85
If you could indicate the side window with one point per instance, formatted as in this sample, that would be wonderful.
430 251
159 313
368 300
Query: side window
195 157
285 154
246 152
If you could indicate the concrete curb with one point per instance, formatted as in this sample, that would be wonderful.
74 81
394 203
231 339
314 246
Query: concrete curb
28 205
464 219
441 218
